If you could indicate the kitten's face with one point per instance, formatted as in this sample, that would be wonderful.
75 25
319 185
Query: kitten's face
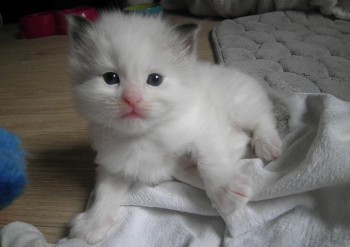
129 76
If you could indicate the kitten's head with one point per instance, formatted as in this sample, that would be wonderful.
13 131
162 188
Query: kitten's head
131 72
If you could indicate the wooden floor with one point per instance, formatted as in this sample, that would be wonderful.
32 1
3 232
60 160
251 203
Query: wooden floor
36 104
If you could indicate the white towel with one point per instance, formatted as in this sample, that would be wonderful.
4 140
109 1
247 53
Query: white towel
301 199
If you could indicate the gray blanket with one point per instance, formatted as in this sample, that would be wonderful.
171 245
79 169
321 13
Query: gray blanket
237 8
292 51
302 198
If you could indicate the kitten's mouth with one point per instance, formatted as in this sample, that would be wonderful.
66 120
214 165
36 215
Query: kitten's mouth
132 114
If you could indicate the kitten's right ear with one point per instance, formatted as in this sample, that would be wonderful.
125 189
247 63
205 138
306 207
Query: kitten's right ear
77 29
188 36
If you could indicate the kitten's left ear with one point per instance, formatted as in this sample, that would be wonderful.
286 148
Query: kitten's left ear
77 29
188 37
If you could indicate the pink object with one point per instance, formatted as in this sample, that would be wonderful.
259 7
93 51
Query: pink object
132 98
52 22
37 25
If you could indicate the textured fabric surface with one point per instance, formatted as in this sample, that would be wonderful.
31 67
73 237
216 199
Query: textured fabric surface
293 51
237 8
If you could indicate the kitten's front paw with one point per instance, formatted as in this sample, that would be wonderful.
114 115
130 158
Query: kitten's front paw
267 148
232 195
90 229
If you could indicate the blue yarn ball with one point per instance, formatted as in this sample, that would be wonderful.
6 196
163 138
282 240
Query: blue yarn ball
13 177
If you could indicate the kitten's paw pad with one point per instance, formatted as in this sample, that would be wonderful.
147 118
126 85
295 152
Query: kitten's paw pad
233 195
90 229
268 149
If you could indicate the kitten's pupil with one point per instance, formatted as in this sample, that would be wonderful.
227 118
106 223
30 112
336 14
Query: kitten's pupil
111 78
154 79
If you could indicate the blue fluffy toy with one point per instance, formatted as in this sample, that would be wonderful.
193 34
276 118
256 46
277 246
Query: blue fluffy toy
13 177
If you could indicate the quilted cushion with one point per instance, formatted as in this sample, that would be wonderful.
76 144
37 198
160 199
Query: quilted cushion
290 50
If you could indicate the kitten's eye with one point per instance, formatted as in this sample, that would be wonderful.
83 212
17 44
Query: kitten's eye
154 79
111 78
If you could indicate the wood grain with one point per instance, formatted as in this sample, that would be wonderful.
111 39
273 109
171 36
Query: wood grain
36 104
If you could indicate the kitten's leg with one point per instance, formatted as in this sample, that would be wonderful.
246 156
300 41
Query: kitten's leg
96 222
266 140
227 188
187 172
258 118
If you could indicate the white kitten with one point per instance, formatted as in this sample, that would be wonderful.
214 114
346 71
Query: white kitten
149 102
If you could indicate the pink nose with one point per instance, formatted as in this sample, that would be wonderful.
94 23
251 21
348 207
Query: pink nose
132 95
132 98
131 102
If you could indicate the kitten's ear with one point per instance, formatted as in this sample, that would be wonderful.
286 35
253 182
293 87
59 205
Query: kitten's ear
77 29
188 37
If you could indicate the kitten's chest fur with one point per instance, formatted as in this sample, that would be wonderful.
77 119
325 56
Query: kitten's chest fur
150 158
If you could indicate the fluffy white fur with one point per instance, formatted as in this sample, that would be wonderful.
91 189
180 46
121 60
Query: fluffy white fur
200 110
